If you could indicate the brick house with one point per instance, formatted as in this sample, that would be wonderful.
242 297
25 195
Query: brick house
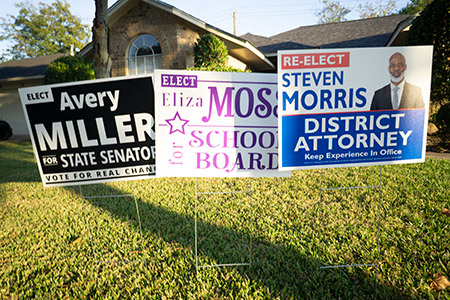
149 34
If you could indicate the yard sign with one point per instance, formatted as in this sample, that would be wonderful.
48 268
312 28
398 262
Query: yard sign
336 108
213 124
92 131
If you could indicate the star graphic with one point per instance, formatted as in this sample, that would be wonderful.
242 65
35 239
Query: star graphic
177 124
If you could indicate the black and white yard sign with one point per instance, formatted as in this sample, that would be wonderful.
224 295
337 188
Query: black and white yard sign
92 131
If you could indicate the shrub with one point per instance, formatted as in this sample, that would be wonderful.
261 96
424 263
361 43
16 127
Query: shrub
67 69
210 52
442 122
217 69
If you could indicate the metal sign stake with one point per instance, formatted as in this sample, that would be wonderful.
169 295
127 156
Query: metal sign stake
379 186
197 266
98 261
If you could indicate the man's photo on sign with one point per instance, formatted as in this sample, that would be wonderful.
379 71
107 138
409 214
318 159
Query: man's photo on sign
398 94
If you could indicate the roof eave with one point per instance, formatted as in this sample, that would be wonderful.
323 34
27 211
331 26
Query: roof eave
266 64
403 25
21 78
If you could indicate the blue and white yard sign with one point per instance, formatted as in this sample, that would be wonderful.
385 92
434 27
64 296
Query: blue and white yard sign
353 107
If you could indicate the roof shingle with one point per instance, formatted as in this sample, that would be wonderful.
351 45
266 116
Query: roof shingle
28 67
374 32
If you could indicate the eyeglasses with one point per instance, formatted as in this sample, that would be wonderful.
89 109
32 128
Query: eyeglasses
399 65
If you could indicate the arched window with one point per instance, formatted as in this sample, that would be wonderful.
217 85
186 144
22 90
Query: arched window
144 55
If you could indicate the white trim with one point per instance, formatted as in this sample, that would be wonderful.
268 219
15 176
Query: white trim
403 25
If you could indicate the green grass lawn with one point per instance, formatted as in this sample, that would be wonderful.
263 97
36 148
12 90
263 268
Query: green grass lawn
53 241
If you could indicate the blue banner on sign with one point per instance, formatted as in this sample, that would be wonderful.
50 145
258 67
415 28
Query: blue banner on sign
352 138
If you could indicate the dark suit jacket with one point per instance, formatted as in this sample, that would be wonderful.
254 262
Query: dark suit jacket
411 98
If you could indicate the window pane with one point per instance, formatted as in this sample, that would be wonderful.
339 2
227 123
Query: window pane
148 39
139 41
144 50
131 66
132 50
140 66
149 64
158 61
156 48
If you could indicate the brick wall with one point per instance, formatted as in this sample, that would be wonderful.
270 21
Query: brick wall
175 36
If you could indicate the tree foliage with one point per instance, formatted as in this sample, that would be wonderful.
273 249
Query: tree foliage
431 27
371 9
414 6
67 69
46 30
332 11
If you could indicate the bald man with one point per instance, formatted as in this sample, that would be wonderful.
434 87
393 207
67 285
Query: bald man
399 94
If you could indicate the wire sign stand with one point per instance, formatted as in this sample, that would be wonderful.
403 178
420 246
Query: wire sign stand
197 194
379 186
94 252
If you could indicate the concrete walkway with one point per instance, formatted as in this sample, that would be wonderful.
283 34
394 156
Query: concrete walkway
438 155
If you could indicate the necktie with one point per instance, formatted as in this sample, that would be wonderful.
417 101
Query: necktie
395 98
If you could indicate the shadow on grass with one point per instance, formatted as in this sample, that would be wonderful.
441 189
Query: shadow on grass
16 161
281 268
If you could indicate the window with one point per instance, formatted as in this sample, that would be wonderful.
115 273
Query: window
144 55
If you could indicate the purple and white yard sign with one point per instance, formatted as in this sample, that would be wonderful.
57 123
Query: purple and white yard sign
213 124
353 107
